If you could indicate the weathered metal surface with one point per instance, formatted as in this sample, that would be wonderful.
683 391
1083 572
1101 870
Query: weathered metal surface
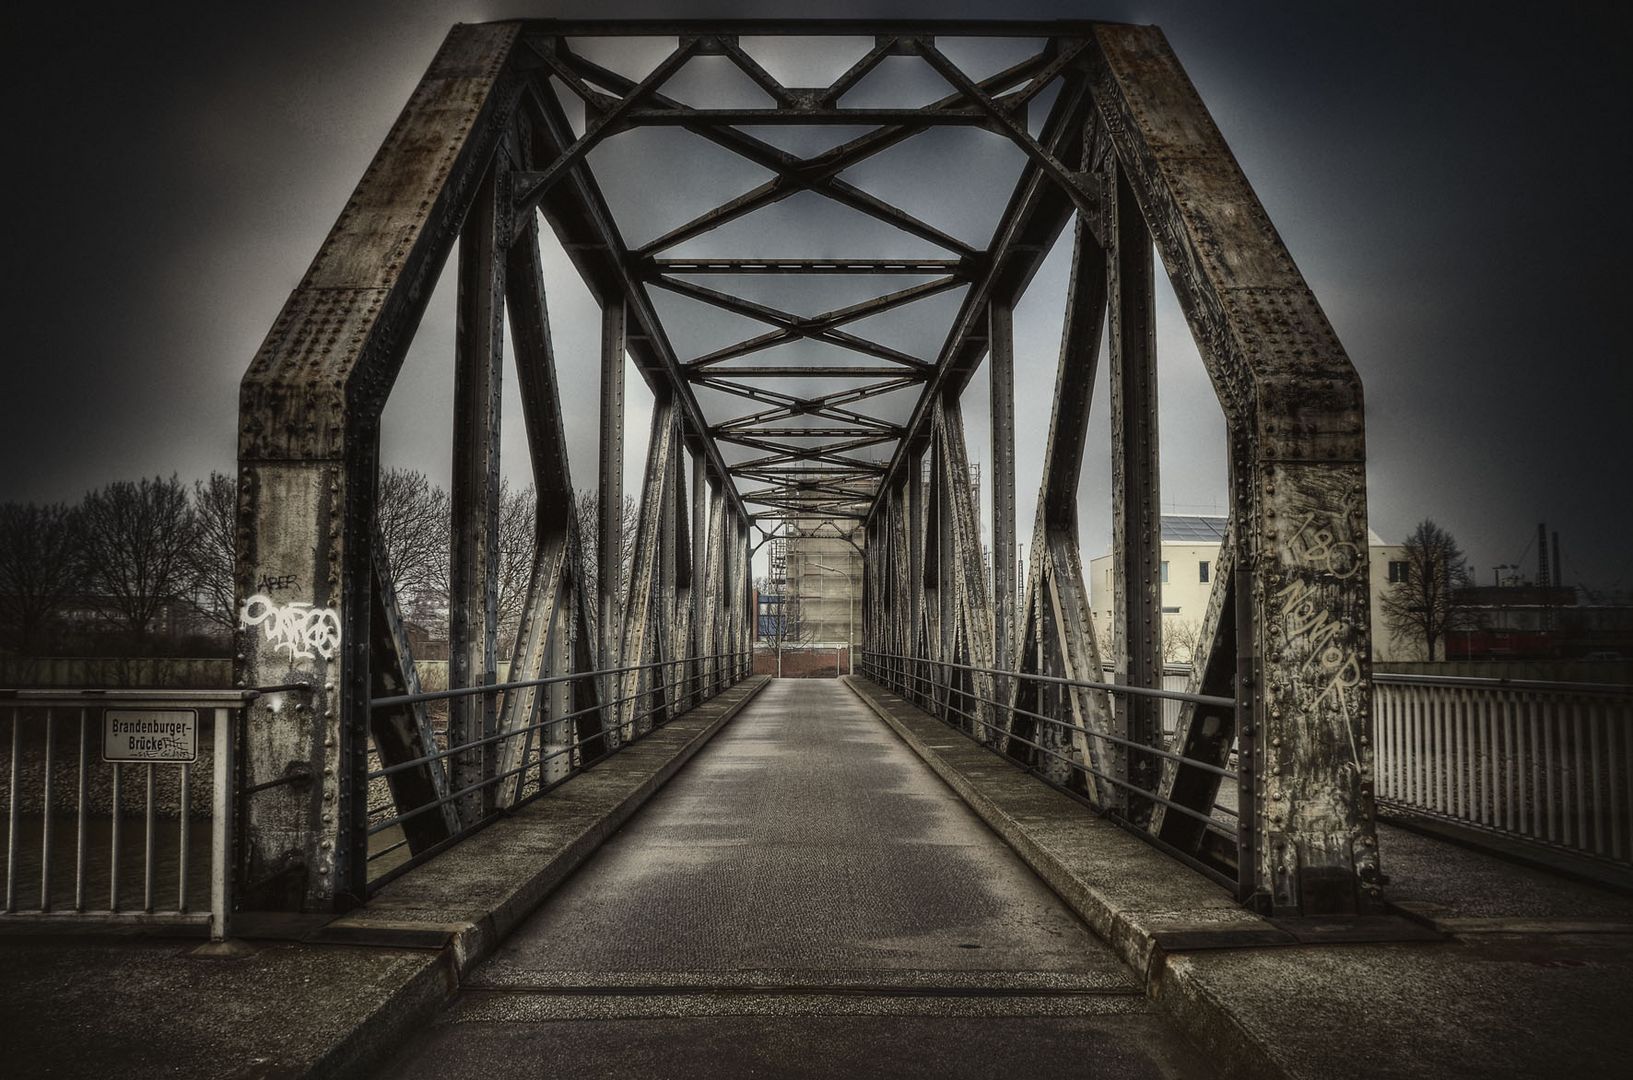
308 410
1136 619
1284 378
610 497
1001 361
646 621
473 577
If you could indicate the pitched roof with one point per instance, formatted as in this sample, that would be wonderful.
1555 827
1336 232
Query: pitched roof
1196 528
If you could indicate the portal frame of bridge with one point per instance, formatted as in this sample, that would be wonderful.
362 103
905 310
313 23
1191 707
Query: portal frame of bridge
1127 154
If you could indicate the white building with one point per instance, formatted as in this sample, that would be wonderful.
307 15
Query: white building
1190 556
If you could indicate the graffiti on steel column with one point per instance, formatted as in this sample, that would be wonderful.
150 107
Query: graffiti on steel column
298 628
1316 631
1311 545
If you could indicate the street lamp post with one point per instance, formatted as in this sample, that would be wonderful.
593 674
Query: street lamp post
850 620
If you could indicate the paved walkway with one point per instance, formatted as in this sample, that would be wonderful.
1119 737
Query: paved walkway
805 898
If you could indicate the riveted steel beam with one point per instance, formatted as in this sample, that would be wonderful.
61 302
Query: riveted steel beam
1136 621
610 497
1299 501
473 578
309 410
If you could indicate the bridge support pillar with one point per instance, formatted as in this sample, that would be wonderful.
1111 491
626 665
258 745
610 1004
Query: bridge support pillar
309 411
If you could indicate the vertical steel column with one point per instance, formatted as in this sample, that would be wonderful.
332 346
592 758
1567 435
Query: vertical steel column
697 640
1001 376
1291 392
473 578
728 586
309 409
1137 508
917 644
743 640
610 499
1001 360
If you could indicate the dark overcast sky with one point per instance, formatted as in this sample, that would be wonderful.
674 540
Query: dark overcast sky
1451 179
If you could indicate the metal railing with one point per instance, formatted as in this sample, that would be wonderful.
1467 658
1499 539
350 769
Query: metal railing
69 800
902 674
551 750
1546 762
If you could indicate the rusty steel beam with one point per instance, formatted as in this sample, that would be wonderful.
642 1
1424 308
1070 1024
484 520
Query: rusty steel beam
610 497
309 409
1299 500
473 577
1136 620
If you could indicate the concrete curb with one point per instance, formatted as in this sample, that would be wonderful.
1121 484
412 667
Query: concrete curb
398 917
1170 980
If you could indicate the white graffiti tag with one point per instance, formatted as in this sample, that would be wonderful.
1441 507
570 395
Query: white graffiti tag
305 631
1321 548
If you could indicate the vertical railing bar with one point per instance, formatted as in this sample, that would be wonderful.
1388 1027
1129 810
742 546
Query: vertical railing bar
1612 784
49 793
1397 724
1490 808
1595 718
1519 763
1448 759
1581 780
1511 763
1386 759
1412 755
1535 724
1470 754
1460 736
84 808
221 827
184 833
149 851
115 829
1625 720
1567 778
12 809
1443 762
1550 824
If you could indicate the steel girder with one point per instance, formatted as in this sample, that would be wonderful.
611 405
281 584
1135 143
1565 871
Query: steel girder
310 408
1287 630
485 141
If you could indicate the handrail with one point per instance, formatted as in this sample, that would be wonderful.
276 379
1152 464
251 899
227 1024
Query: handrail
1114 688
1476 682
522 684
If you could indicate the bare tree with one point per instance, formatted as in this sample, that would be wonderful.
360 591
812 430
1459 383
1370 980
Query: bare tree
1179 641
587 506
1425 604
136 556
517 510
39 569
215 504
412 515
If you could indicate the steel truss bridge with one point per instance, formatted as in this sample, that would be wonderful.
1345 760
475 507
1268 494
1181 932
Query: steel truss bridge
1112 142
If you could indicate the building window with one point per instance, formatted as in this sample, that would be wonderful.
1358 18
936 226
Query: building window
1170 611
1202 571
1165 571
1397 571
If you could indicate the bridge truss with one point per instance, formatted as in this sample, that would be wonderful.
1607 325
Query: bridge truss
1110 138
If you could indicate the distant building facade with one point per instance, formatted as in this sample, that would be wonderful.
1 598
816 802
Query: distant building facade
1190 563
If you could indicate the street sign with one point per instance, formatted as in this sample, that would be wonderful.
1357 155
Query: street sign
150 735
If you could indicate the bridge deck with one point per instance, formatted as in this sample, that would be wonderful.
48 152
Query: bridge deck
805 898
